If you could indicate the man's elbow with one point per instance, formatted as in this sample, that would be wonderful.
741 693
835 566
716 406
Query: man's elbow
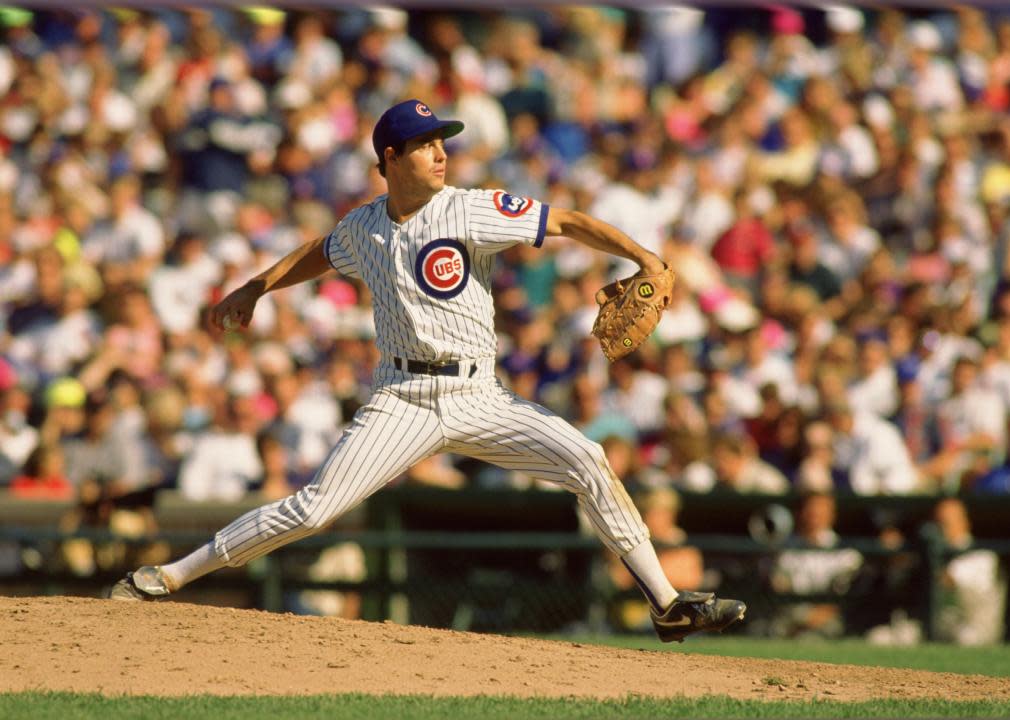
565 222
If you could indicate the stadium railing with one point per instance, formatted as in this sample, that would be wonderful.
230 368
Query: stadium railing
512 560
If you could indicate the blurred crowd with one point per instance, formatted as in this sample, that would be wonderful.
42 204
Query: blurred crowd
831 186
813 585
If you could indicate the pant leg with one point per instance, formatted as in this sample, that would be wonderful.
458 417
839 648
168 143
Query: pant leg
396 429
492 424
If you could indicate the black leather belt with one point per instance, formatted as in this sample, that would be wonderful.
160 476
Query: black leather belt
430 368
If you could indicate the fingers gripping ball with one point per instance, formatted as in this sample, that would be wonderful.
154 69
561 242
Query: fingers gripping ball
630 309
230 323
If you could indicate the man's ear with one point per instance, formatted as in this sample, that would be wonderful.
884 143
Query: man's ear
390 156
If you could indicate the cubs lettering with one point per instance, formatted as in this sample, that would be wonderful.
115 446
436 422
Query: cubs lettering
442 268
446 267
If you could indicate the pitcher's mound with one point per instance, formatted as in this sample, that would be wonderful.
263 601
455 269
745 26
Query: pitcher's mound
170 648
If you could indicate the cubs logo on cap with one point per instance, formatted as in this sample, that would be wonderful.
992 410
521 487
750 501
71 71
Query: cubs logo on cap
442 268
511 205
409 119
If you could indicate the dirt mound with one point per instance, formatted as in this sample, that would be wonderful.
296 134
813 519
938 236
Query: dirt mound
172 648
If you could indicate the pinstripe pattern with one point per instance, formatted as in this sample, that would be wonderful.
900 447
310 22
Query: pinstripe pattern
393 431
367 244
413 416
494 425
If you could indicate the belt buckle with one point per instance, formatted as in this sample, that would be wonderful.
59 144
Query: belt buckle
435 368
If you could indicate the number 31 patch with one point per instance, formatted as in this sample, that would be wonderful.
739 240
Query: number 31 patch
511 205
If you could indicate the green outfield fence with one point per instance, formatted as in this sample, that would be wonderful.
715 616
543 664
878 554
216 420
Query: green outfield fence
500 560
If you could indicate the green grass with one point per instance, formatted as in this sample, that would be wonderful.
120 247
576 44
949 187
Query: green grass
993 661
69 706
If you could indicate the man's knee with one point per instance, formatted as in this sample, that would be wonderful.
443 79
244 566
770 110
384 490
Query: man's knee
589 458
310 509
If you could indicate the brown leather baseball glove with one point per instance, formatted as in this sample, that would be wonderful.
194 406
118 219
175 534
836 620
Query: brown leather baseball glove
630 309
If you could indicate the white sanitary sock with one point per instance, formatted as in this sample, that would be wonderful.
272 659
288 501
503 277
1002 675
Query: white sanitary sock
198 563
644 566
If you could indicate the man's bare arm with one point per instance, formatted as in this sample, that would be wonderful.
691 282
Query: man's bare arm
300 265
600 236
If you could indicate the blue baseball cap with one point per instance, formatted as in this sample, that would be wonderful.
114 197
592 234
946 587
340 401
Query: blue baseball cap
407 120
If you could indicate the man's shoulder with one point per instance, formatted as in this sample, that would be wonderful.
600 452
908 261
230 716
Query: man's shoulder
983 397
365 213
875 428
450 193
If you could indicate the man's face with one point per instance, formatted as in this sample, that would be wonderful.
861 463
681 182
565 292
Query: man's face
953 519
840 421
727 463
818 514
964 377
421 165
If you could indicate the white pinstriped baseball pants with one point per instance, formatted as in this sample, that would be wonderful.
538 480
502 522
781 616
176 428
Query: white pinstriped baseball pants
410 417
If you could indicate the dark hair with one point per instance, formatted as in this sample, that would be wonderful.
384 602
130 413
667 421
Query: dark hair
397 150
265 438
732 442
33 463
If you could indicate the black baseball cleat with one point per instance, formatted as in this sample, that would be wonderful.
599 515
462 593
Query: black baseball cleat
147 583
693 612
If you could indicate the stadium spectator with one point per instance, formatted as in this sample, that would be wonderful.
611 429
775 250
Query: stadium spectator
224 463
871 453
162 437
18 439
974 589
180 289
44 476
306 420
103 463
876 388
971 425
130 244
806 267
745 248
813 565
276 482
916 419
64 411
738 468
132 345
637 394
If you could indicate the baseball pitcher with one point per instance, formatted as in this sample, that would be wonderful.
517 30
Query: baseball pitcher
426 251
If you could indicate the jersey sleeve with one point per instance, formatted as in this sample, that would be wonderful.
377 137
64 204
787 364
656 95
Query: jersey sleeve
338 251
497 220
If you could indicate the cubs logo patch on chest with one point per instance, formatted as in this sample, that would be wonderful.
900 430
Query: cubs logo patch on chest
442 268
511 205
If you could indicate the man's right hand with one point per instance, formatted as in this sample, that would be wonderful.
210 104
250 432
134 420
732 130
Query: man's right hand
238 306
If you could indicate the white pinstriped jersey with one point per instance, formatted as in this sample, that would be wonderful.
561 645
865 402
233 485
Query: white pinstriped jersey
430 276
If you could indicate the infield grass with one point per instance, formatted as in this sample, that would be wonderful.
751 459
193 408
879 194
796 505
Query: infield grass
70 706
993 661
